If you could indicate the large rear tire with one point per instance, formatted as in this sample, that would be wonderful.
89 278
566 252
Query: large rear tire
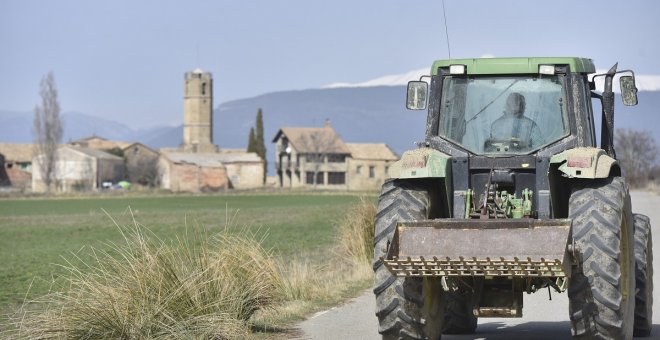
643 276
407 308
602 286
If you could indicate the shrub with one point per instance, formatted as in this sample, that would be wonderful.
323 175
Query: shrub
196 287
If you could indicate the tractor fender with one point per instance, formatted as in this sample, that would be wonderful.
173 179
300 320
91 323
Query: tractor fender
585 162
421 163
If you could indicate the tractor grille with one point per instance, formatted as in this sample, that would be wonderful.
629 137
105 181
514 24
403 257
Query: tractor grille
474 267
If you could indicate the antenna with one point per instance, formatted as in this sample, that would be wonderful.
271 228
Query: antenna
444 13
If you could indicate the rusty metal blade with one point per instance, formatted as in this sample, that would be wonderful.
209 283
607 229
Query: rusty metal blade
505 247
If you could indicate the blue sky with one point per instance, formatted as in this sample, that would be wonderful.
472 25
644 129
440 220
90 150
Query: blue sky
125 60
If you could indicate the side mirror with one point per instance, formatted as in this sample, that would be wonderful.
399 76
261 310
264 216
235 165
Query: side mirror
628 90
417 94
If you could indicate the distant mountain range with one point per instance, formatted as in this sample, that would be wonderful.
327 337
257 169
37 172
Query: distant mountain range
16 127
358 114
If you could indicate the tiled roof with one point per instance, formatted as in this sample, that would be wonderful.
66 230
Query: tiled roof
94 152
211 159
313 140
17 152
96 142
379 151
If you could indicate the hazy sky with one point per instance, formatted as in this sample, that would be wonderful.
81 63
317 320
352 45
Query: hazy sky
125 60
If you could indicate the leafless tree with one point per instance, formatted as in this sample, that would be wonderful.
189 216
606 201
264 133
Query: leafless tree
47 130
637 152
316 147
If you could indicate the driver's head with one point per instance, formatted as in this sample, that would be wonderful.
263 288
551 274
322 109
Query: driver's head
515 104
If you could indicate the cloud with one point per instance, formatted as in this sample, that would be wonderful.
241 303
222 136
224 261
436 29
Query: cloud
644 82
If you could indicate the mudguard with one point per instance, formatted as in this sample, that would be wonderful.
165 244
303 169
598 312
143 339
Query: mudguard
421 163
590 163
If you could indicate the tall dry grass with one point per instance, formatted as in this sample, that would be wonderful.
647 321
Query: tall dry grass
344 270
199 286
356 233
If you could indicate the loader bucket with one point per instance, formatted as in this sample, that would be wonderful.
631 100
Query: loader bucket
472 247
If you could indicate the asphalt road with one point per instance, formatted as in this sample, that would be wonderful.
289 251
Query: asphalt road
542 319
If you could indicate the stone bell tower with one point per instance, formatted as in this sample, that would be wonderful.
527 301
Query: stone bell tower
198 112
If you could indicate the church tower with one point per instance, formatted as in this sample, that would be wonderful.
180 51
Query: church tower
198 112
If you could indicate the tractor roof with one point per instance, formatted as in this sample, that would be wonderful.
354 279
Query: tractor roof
515 65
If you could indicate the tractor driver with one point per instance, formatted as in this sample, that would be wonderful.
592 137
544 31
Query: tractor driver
513 125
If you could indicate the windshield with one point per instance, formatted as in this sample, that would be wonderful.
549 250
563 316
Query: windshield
503 115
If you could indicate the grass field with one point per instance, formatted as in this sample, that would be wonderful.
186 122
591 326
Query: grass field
36 233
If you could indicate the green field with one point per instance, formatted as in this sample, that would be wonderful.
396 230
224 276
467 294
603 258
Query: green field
36 233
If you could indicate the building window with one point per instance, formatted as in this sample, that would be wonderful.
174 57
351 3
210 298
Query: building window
372 171
203 88
309 177
387 170
336 177
335 158
358 170
313 158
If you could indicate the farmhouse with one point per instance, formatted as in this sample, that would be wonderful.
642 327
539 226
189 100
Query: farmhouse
369 165
308 157
78 169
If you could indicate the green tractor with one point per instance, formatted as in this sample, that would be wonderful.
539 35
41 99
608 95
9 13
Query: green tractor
510 194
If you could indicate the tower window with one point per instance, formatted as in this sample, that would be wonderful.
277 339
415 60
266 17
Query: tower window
203 88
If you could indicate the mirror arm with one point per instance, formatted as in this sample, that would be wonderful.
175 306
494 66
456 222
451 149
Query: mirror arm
607 125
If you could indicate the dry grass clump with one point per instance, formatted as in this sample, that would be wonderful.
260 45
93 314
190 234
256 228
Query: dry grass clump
356 233
344 270
197 287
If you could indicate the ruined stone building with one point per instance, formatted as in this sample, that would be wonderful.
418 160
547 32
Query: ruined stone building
309 157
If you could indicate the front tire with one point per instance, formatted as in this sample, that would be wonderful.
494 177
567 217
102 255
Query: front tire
407 308
602 286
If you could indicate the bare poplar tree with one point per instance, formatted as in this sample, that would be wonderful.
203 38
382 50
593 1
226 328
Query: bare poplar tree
637 152
316 146
47 129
